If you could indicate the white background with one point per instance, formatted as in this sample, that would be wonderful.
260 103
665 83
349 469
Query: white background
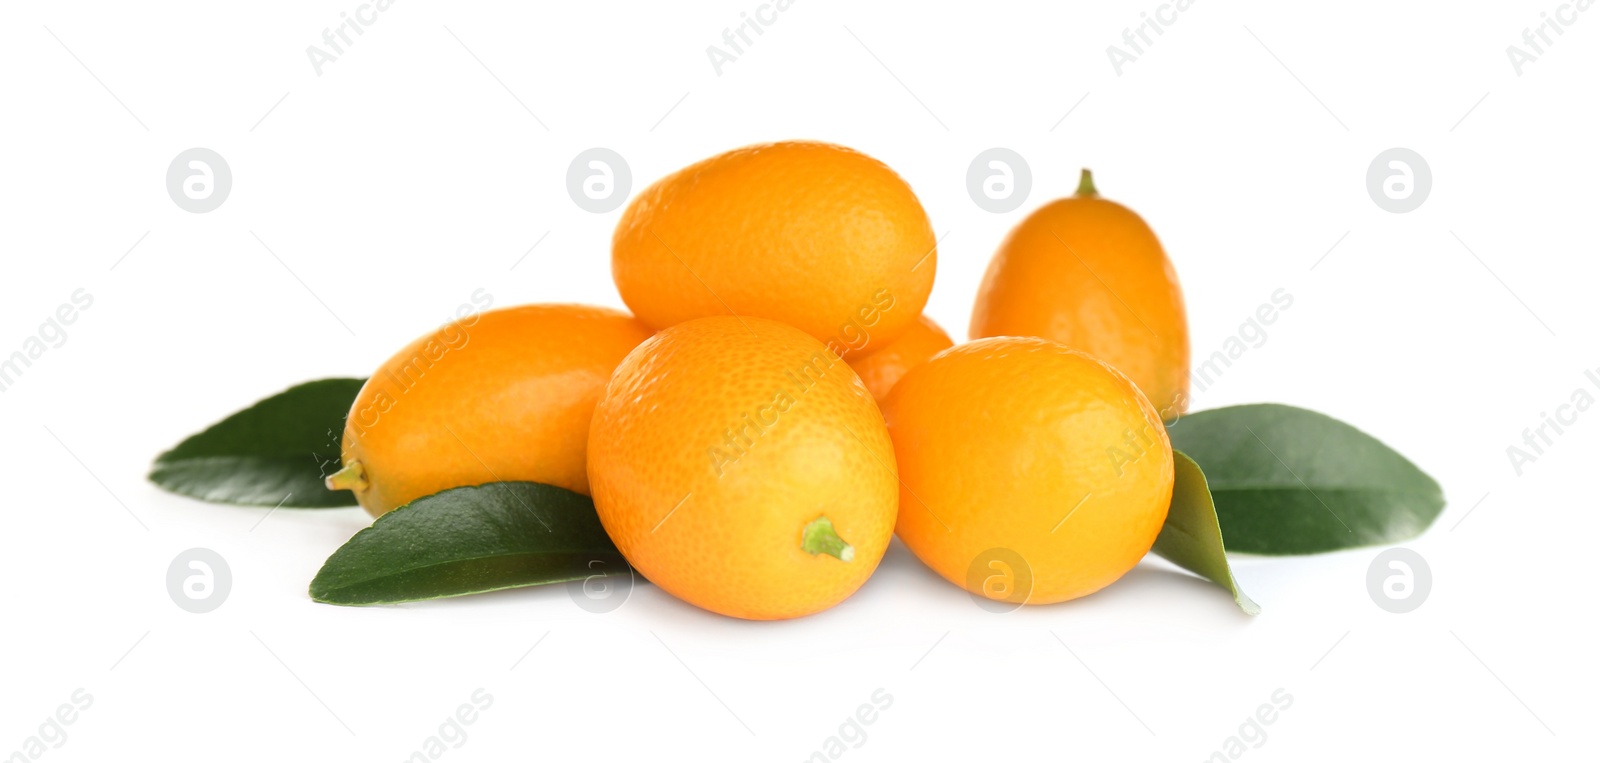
406 176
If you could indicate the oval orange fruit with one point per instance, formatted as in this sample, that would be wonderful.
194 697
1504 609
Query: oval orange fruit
880 370
1028 463
1089 273
505 395
742 467
818 236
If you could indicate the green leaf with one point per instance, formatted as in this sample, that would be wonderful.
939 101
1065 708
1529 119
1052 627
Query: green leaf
273 453
1191 538
1291 481
470 540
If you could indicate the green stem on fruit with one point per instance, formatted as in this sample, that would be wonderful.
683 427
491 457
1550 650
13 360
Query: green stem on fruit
818 537
1086 184
352 477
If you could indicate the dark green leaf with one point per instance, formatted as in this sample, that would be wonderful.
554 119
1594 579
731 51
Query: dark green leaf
1291 481
1191 538
273 453
469 540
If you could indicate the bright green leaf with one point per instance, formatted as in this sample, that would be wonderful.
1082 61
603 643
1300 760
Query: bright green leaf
1291 481
470 540
274 453
1191 537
